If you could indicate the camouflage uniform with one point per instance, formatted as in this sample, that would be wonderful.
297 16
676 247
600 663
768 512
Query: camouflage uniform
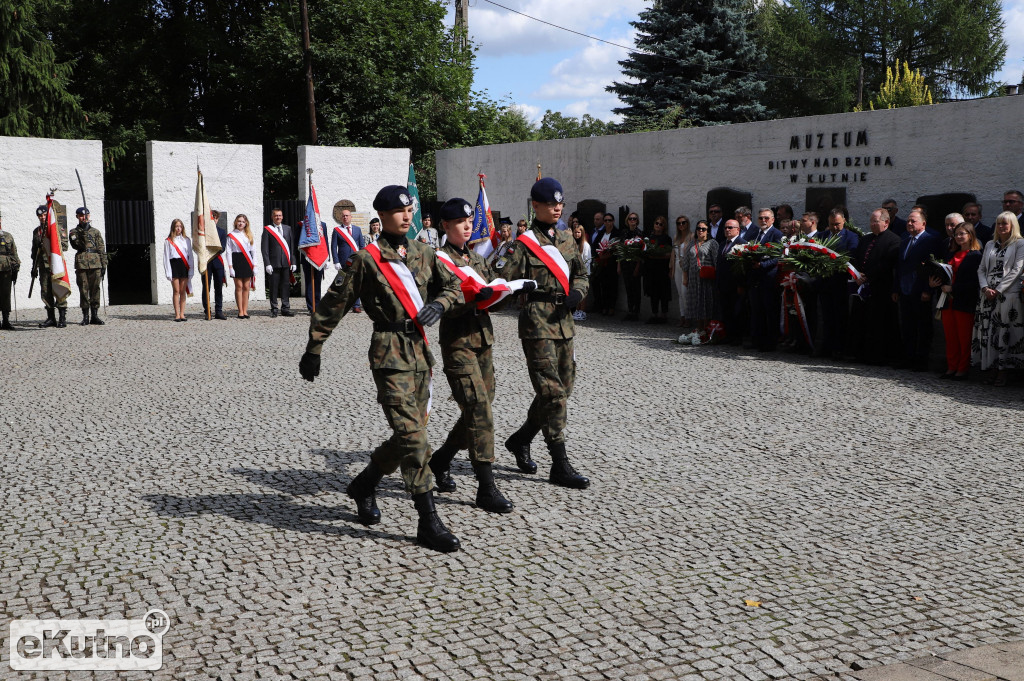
90 264
41 263
466 340
9 266
546 327
400 360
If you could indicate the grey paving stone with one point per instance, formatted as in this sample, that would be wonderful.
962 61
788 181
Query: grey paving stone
951 670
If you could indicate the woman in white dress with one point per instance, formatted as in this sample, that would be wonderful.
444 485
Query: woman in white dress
178 266
240 256
679 244
998 337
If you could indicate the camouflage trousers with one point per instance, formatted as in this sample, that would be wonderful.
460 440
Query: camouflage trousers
46 291
552 368
403 395
89 288
470 373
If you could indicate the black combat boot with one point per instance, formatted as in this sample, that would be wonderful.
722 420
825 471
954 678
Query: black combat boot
487 495
440 465
6 323
519 445
364 490
85 318
62 323
50 320
431 532
562 472
96 317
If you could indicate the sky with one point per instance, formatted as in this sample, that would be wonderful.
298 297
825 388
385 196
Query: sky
538 67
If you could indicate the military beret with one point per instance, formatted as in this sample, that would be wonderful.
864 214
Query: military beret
505 221
373 220
456 209
428 216
392 197
40 210
547 190
82 211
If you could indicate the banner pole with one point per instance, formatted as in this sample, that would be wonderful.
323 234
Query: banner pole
312 278
207 275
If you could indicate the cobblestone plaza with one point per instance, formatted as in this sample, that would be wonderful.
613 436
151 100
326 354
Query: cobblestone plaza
750 516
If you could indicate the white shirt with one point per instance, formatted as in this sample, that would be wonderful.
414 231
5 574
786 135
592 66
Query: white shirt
232 248
185 245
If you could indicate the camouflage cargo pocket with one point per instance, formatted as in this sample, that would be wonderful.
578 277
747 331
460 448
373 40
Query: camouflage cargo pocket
466 383
545 379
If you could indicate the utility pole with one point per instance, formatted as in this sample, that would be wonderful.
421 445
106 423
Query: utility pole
462 22
311 100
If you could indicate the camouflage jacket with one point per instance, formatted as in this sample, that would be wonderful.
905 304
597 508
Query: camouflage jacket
402 351
40 255
91 252
463 326
541 319
8 253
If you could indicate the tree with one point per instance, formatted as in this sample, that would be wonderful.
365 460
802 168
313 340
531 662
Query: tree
902 88
34 96
556 126
695 54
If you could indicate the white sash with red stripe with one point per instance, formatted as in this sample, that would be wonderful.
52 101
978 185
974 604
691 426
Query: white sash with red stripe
403 284
188 280
348 239
472 282
550 256
281 241
245 254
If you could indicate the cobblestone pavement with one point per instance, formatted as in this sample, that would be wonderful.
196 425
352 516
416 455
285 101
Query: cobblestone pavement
875 515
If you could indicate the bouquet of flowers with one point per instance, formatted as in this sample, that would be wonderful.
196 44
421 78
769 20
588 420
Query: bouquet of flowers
817 259
653 250
630 250
606 250
746 257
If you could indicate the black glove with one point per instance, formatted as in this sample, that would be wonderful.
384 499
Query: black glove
309 366
103 273
430 313
485 293
573 298
528 286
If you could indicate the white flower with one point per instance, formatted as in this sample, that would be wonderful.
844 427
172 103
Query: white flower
696 339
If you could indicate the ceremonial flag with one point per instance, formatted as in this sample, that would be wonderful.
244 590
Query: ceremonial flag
417 215
311 243
60 280
205 240
484 236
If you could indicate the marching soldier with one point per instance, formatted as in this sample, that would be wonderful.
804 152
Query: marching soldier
466 340
90 265
40 257
395 278
9 266
550 257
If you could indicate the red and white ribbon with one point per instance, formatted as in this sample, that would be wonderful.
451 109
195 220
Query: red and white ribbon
550 256
791 298
472 282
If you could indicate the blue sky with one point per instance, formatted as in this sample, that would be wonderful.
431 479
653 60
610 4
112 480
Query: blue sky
539 67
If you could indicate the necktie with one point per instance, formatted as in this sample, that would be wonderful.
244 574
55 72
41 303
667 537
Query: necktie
909 246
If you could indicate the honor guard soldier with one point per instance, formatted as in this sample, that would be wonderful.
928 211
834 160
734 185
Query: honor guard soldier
90 265
40 256
396 279
9 266
550 257
466 340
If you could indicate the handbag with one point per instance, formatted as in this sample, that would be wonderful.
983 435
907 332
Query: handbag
706 271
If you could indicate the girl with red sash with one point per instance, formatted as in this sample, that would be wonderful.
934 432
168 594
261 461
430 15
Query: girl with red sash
178 266
239 256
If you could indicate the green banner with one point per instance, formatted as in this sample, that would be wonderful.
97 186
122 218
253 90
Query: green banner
417 216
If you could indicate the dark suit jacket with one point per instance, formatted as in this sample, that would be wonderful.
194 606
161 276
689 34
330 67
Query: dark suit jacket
984 233
750 233
879 266
341 252
966 286
898 226
725 280
273 254
848 242
910 278
720 235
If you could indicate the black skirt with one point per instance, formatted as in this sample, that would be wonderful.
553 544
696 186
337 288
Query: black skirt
241 266
179 269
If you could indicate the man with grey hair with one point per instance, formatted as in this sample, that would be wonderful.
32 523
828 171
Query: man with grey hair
765 294
748 230
877 326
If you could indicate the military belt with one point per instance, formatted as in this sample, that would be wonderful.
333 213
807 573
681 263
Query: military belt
407 326
545 297
89 250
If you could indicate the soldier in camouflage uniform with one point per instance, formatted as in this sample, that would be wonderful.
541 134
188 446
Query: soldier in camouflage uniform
40 256
399 357
90 265
9 266
546 329
466 340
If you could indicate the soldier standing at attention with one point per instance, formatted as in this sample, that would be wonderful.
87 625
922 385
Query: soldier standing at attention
40 257
550 257
466 340
394 277
9 266
90 265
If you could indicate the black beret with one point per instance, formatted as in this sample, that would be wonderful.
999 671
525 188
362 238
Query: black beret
82 211
373 220
41 210
505 221
392 197
456 209
547 190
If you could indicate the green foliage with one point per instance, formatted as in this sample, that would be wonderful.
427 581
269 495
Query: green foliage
696 55
556 126
902 88
671 118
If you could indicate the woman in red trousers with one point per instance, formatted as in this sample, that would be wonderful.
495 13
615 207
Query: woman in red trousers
961 300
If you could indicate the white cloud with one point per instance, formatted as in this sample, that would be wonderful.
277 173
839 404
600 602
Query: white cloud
532 113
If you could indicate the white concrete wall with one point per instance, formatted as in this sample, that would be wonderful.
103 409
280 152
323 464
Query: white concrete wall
965 146
353 173
29 167
233 176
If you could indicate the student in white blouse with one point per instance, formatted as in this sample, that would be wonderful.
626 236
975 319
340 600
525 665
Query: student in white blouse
240 256
178 266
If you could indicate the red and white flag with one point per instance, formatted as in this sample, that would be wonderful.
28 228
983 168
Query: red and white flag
61 281
312 241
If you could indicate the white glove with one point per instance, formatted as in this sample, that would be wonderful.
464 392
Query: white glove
270 270
294 267
337 265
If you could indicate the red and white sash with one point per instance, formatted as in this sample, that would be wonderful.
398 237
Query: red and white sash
348 239
245 254
550 256
403 284
281 241
472 282
188 280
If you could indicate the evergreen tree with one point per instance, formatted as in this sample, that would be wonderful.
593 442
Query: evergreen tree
696 55
34 100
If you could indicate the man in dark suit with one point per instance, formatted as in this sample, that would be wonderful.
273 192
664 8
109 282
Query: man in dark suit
912 292
835 292
716 223
217 277
277 246
897 226
729 299
972 214
1013 201
764 289
876 319
341 250
748 230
